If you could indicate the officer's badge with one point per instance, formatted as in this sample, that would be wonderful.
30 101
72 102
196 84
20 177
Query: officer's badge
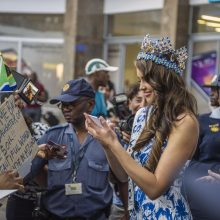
214 128
66 87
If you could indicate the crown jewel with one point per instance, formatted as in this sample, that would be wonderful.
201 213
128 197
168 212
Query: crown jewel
161 52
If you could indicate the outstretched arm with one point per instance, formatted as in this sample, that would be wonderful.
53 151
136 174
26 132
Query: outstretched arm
112 160
116 166
180 147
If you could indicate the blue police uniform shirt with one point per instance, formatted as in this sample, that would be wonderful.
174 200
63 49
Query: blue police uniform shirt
207 155
202 196
100 108
92 173
209 139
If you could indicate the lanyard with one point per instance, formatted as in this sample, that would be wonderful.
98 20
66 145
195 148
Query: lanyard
77 157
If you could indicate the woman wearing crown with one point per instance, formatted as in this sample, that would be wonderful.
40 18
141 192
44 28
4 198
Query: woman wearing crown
164 136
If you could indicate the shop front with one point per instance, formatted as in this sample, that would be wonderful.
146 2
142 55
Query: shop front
126 28
31 39
204 45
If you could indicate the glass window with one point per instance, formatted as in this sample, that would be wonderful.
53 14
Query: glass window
114 59
9 52
32 25
206 18
135 23
130 76
123 56
47 61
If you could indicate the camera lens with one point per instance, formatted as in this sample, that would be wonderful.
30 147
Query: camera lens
126 125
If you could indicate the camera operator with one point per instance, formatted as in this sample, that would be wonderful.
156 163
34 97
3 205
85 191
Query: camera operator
125 108
33 109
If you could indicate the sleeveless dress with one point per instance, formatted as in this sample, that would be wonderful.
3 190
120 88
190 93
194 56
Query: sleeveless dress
169 206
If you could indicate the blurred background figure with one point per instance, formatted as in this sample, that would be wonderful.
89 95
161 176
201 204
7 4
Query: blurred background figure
135 101
125 107
108 100
135 98
202 196
97 75
111 86
33 110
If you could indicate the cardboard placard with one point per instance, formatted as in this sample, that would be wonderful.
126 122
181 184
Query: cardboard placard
17 146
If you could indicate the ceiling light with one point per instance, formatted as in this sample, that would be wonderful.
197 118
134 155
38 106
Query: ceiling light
210 18
212 24
201 21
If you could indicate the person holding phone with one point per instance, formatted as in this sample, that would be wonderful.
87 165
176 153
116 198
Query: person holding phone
164 136
78 186
33 110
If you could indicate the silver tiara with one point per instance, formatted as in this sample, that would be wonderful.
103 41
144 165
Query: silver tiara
161 52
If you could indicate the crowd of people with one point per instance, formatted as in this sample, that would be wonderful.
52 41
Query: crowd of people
165 167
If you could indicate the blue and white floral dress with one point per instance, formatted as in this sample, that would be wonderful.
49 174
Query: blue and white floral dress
169 206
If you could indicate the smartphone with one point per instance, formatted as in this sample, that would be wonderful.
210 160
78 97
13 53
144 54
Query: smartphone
96 120
59 150
28 91
54 145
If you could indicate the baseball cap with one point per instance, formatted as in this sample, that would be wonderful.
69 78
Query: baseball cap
97 64
73 90
215 82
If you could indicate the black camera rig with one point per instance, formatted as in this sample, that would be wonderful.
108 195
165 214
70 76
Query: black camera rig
120 103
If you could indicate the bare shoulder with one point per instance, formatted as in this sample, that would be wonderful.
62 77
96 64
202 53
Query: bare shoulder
187 124
187 121
185 132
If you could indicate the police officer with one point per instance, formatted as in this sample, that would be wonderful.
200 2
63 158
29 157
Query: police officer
78 186
202 196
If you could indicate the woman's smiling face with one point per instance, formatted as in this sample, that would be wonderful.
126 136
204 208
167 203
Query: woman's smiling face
148 91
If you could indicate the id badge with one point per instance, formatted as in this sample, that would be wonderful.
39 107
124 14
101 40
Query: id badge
73 188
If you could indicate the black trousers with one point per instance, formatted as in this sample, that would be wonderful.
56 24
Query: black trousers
97 216
19 209
74 218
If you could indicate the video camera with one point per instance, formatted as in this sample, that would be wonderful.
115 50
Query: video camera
120 103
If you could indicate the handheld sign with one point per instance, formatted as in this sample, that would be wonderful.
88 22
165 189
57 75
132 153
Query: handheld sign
17 146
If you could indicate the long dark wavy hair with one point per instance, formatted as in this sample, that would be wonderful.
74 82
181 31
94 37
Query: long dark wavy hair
172 99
